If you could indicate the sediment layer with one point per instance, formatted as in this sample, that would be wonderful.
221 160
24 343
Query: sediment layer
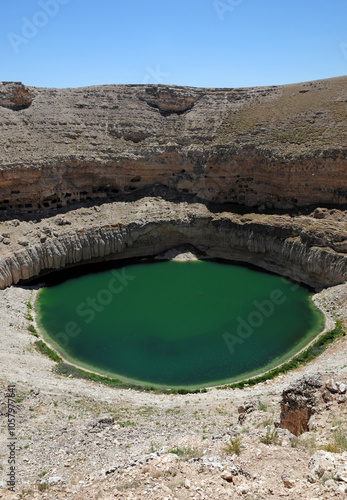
278 146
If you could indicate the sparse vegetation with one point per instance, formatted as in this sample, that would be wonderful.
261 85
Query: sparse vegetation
32 330
262 406
186 453
131 485
42 486
234 445
44 349
67 369
291 118
271 436
338 443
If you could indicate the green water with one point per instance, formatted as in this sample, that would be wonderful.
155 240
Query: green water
178 323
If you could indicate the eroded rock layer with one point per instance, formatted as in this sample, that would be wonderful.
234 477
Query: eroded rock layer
301 248
278 147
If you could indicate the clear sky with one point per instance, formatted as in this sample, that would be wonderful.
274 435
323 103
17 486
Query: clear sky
203 43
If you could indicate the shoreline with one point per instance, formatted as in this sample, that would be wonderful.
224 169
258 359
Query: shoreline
177 255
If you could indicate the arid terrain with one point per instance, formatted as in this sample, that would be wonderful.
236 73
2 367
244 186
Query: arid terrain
115 172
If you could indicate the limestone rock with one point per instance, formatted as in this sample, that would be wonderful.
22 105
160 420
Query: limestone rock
168 225
119 140
55 480
342 387
324 464
331 386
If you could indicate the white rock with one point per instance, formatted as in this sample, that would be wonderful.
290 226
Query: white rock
319 463
331 385
55 480
342 388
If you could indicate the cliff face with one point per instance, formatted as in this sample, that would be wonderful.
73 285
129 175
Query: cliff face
281 146
150 226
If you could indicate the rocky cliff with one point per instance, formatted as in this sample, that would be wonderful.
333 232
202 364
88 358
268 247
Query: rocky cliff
304 248
278 147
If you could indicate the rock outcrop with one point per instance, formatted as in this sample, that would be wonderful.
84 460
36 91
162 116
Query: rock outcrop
276 147
15 96
306 396
298 404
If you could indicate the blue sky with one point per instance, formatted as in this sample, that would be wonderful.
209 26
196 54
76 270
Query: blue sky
203 43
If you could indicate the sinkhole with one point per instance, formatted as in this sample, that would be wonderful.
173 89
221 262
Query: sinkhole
177 324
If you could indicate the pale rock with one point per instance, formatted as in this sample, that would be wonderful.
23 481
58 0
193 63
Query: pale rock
55 480
287 481
331 386
342 387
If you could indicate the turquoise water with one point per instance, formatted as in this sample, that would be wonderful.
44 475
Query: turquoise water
178 323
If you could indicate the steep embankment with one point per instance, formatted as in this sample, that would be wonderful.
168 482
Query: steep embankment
305 248
279 146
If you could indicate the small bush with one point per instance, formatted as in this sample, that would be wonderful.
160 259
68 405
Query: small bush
339 443
186 453
262 406
234 445
42 486
307 443
271 436
32 330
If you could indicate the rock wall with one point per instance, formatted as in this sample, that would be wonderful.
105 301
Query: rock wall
65 145
274 247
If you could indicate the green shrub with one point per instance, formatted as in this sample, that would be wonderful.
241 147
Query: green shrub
186 453
32 330
44 349
270 436
234 445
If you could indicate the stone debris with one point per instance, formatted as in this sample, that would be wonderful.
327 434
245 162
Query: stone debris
245 409
99 424
287 481
332 386
61 221
324 465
